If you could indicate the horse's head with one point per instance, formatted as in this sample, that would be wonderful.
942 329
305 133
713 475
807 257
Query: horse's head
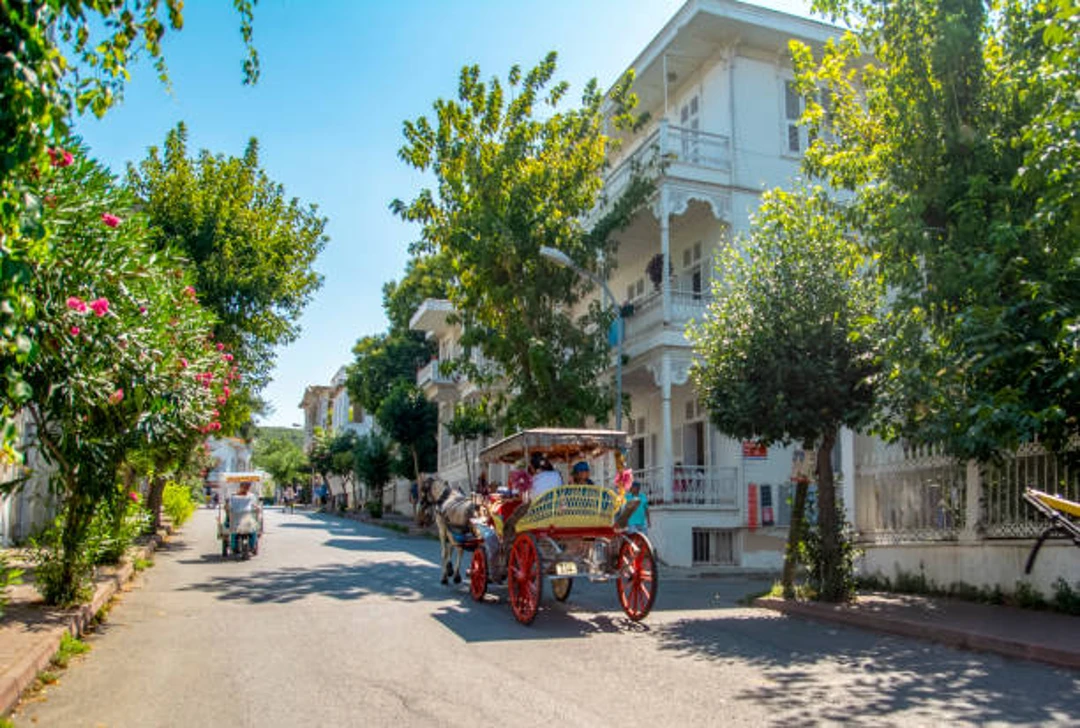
431 489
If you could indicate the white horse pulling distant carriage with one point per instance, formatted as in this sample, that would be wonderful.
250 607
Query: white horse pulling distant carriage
570 532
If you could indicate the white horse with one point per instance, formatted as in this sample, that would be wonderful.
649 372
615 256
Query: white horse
453 510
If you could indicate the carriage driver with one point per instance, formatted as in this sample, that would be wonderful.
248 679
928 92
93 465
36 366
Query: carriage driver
579 475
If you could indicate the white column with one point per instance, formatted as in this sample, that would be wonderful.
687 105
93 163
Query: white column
668 455
665 250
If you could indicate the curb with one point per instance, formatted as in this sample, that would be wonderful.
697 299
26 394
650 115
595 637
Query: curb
951 636
22 673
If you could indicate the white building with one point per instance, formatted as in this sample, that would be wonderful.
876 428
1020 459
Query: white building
330 408
716 82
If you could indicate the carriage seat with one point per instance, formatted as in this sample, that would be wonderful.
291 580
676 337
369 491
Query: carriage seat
501 507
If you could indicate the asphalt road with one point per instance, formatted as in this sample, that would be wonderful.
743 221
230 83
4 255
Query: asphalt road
336 623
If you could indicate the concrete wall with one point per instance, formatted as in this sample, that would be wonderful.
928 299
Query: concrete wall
984 564
764 548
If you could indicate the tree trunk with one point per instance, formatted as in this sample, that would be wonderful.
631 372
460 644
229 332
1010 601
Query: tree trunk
153 501
795 538
831 568
72 540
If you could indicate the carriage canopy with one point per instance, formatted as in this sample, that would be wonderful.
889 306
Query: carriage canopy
559 444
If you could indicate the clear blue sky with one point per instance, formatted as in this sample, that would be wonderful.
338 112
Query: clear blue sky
338 79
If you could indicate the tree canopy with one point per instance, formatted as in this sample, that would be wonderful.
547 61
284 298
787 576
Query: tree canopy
952 124
789 346
61 57
516 172
251 248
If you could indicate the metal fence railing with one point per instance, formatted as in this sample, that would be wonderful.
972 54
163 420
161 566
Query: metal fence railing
918 494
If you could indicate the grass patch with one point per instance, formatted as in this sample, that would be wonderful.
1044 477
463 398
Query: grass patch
47 677
775 591
141 564
69 647
6 723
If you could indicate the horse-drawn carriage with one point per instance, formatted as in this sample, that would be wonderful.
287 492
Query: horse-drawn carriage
567 533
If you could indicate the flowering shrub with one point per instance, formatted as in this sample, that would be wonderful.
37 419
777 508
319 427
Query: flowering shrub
113 324
178 503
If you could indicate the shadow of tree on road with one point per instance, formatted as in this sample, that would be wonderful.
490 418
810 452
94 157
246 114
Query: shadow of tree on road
396 578
817 672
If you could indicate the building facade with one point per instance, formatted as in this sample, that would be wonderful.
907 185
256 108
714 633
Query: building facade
717 83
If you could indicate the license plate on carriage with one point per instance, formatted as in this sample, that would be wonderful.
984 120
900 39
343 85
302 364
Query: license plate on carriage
565 568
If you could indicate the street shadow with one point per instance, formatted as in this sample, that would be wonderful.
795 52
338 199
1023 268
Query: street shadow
400 579
492 620
807 663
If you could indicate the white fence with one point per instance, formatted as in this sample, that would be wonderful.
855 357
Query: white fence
909 494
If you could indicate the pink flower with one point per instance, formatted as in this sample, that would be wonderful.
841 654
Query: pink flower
520 481
228 357
624 480
100 306
189 291
226 391
76 304
220 346
75 330
117 396
61 157
183 363
133 496
111 220
222 400
142 310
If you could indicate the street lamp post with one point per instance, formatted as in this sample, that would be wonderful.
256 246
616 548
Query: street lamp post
560 258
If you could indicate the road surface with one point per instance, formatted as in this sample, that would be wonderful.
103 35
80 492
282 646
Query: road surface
337 623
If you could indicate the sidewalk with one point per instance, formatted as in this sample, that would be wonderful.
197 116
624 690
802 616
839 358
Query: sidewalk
1049 637
30 632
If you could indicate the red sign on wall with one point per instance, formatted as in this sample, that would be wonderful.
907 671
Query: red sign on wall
754 451
752 506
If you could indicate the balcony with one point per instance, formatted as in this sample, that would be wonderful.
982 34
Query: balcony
434 383
691 487
645 329
671 151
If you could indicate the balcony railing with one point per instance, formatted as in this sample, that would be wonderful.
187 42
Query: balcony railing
431 373
691 486
649 311
668 145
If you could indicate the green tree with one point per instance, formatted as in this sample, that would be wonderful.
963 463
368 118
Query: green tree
283 458
788 346
60 57
319 456
412 422
120 355
952 124
373 463
516 173
471 421
382 362
252 249
342 451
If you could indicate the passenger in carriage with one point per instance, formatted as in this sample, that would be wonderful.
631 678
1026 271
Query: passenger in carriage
544 475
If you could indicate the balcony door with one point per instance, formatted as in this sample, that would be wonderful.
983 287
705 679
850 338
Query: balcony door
690 121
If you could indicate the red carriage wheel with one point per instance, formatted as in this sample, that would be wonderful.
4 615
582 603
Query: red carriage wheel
478 574
523 578
637 578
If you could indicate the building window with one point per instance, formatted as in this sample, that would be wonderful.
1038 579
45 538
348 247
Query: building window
714 546
793 108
